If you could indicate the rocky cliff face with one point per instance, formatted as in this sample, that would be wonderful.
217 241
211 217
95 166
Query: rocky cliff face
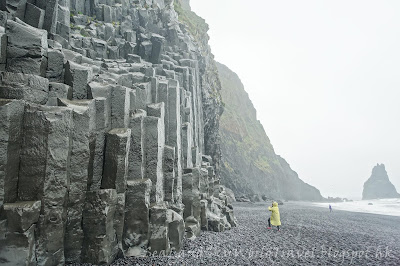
109 138
210 87
378 186
249 163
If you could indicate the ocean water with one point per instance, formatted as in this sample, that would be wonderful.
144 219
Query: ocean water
380 206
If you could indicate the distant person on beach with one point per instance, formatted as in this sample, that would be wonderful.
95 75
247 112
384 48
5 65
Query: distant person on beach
330 208
275 218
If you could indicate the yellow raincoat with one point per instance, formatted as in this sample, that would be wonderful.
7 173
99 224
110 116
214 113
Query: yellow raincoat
275 217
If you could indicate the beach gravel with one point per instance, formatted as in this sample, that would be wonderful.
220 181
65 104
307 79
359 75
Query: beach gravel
309 236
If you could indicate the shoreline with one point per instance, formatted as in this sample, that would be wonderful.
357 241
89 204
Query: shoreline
387 207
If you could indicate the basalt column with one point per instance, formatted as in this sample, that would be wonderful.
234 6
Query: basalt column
78 174
45 160
11 118
154 149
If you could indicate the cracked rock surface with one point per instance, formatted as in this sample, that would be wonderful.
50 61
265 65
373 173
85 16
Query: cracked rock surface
109 143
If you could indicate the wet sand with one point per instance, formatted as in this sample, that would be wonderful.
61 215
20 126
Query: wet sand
309 236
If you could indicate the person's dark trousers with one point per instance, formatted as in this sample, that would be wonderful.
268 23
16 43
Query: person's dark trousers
269 223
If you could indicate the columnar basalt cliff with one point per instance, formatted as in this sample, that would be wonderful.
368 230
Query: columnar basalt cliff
109 138
378 186
250 166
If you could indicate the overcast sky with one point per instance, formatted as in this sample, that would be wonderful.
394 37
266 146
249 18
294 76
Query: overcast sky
324 77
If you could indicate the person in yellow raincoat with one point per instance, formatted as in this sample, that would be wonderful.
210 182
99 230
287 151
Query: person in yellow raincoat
275 218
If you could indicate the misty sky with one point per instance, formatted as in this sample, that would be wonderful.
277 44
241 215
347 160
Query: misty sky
324 77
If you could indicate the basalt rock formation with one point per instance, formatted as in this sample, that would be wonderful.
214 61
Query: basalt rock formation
378 186
109 139
250 166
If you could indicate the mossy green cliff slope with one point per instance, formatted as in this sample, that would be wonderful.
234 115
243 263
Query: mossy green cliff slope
249 163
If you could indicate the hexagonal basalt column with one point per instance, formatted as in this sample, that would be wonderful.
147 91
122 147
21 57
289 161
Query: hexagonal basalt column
100 243
11 118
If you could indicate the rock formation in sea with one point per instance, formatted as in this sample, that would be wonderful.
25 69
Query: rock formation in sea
109 138
378 186
250 166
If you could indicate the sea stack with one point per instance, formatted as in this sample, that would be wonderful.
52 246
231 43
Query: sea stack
378 185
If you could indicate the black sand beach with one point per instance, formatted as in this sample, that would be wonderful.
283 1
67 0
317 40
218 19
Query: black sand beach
309 236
